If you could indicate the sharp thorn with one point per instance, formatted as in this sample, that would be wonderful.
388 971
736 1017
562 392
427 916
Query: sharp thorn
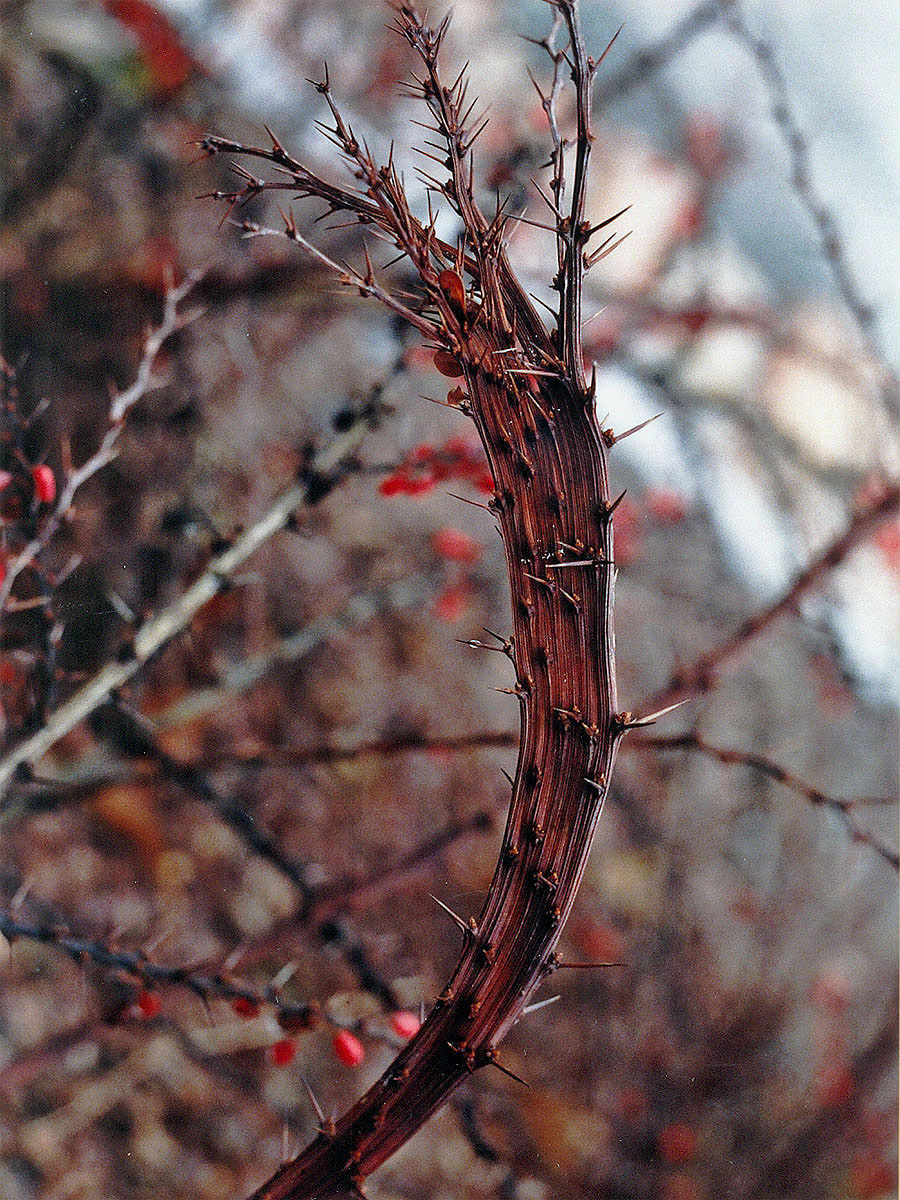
317 1107
474 503
493 1061
652 718
530 1008
449 911
562 965
619 437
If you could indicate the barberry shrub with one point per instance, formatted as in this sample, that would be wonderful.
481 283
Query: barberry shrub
245 743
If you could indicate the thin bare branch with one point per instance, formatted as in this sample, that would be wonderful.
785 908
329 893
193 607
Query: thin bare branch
326 469
136 965
823 219
120 405
700 676
845 808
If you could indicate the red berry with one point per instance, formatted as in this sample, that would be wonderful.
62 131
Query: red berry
665 504
245 1007
148 1005
5 479
348 1048
44 484
282 1053
392 485
485 482
405 1024
677 1142
455 545
451 604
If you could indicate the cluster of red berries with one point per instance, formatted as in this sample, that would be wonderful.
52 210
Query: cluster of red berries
347 1047
426 466
160 52
459 458
460 551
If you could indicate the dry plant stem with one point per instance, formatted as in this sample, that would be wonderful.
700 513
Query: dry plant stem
700 675
153 634
765 766
120 405
137 966
548 456
798 149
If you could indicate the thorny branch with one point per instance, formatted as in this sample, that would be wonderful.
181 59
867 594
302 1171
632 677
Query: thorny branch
321 475
120 405
700 676
802 181
765 766
138 967
527 395
468 289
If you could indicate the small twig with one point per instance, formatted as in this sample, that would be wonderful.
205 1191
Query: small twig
120 405
797 146
136 965
759 762
360 888
384 747
325 469
700 675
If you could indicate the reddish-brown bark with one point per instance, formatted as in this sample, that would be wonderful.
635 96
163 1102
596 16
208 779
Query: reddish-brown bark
534 411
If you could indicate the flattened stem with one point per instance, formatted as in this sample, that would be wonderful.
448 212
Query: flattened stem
548 457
